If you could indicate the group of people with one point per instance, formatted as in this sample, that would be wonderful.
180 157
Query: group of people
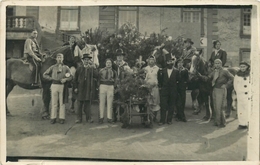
169 84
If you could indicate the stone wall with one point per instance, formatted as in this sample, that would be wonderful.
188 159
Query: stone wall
229 34
149 20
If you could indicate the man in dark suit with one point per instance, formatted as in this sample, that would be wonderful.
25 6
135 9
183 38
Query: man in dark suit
167 81
218 53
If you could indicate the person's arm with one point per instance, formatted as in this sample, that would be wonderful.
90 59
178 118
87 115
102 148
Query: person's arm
115 78
230 79
28 49
75 81
235 83
159 77
186 75
47 74
67 72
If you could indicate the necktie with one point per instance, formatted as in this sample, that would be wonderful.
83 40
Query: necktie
106 77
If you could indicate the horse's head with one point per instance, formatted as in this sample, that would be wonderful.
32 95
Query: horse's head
198 64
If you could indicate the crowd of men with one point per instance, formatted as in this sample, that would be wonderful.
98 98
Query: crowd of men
168 84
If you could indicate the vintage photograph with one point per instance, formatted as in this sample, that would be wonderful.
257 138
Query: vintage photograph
128 83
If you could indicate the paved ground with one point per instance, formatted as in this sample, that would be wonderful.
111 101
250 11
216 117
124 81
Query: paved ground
29 135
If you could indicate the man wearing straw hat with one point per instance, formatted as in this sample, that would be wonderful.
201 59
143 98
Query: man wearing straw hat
83 86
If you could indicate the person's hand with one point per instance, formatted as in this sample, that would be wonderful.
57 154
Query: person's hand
63 80
223 86
76 90
37 59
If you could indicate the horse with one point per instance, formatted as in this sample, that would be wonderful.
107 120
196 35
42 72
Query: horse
19 72
199 66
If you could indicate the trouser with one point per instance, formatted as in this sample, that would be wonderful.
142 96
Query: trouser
168 101
220 105
106 94
84 105
181 100
35 71
57 99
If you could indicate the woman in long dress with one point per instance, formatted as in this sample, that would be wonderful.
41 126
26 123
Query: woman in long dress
242 90
151 79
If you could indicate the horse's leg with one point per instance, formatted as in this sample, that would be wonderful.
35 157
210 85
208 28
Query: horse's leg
46 97
208 113
9 87
194 96
200 104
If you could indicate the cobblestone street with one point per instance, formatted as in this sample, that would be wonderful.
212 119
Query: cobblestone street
29 135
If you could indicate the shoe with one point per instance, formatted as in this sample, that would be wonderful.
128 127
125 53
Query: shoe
100 121
161 123
62 121
169 122
184 120
215 124
242 127
109 121
53 121
78 121
222 126
177 119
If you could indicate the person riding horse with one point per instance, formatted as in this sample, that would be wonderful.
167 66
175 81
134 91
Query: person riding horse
188 52
33 55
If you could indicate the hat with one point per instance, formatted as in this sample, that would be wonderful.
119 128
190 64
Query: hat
244 63
188 40
86 56
120 52
169 57
151 56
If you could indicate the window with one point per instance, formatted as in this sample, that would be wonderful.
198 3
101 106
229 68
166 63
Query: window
69 18
246 22
127 14
191 15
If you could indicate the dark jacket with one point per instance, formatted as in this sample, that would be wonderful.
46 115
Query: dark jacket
82 82
183 78
222 55
168 83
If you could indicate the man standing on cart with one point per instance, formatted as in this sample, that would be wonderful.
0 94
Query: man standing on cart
120 66
167 81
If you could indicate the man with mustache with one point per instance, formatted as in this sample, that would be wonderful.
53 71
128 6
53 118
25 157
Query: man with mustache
167 81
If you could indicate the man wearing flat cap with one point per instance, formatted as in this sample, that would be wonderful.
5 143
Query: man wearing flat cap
188 51
167 81
83 87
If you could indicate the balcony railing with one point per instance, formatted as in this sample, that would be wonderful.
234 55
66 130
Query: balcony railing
20 23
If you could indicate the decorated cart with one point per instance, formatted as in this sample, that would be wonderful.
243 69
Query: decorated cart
134 94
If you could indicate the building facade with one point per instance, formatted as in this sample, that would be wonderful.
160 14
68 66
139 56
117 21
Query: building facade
231 26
